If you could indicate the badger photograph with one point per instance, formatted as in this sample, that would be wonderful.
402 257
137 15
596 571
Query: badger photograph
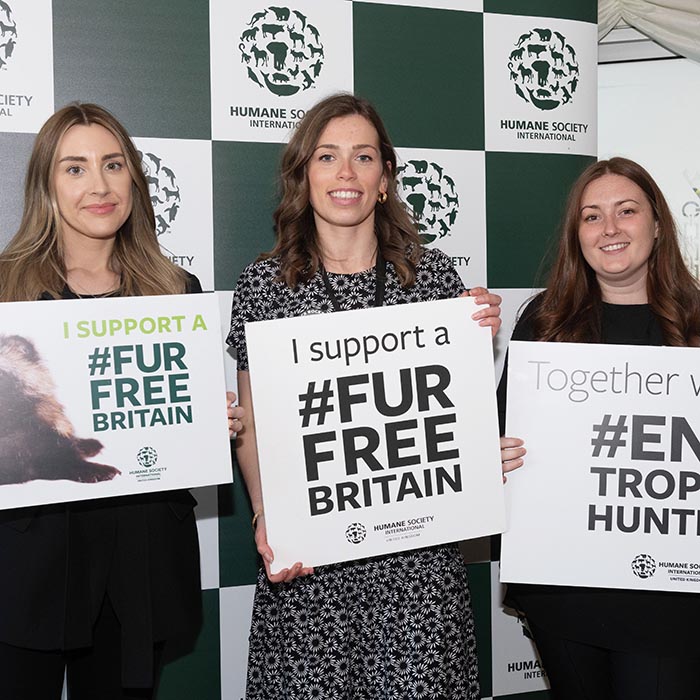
37 440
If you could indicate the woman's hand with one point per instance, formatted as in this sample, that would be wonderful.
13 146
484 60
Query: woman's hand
285 575
235 413
490 316
512 452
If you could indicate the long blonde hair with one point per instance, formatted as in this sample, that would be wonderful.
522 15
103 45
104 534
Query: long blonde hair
33 261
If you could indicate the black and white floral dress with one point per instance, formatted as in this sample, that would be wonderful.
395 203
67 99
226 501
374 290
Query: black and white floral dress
385 628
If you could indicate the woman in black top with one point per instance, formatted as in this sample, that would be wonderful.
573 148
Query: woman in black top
619 278
97 587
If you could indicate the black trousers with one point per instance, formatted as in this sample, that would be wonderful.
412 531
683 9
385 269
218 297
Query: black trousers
579 671
92 673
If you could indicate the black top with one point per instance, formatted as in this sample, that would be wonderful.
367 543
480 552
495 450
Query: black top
58 563
656 622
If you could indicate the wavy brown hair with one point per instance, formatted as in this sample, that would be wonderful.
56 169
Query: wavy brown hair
570 308
33 261
297 243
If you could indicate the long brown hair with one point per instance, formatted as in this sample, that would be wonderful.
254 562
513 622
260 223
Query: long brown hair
297 243
571 306
33 261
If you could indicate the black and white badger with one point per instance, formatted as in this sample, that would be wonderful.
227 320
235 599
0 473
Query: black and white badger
37 441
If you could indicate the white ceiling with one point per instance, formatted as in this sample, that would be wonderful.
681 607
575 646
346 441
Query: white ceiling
623 43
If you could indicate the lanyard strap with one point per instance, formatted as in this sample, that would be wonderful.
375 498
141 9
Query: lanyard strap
379 286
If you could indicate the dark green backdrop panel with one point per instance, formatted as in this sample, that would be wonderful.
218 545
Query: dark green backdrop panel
148 61
245 196
525 195
238 557
423 69
480 588
583 10
197 675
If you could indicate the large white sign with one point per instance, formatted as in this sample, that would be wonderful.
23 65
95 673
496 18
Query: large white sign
26 65
515 665
540 83
107 397
178 173
446 191
376 431
610 492
269 64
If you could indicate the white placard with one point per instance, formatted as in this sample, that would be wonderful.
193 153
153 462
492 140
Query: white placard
108 397
376 431
610 492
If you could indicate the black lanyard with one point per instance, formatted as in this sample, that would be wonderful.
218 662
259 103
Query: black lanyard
379 287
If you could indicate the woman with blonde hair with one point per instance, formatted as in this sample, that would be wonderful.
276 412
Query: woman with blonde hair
92 589
394 626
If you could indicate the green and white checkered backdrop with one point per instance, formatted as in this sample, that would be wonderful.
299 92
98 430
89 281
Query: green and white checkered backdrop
491 103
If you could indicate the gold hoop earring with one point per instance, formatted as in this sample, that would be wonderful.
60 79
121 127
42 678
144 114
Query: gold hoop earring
382 197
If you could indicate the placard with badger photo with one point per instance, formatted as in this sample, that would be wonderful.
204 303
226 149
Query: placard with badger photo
107 397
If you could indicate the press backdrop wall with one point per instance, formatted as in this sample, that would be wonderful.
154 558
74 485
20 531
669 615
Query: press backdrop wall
491 103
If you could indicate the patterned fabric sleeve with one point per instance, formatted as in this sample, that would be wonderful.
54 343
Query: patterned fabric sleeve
245 308
445 278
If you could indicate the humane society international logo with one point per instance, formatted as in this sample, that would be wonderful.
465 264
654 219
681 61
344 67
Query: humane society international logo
165 192
431 195
282 51
543 69
643 566
8 34
147 457
355 533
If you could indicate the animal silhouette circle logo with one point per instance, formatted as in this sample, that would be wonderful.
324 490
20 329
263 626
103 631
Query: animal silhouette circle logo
355 533
8 34
281 51
147 457
431 194
165 192
643 566
543 68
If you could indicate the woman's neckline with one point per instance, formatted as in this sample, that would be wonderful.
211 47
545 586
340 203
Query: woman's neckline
350 274
626 306
102 295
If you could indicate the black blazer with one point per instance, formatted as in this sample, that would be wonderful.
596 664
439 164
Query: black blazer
59 561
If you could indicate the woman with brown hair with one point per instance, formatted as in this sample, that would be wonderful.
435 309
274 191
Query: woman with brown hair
393 626
618 277
92 589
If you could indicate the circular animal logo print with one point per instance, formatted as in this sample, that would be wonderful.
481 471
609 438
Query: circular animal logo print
165 192
544 69
8 34
281 50
430 193
643 566
147 457
355 533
